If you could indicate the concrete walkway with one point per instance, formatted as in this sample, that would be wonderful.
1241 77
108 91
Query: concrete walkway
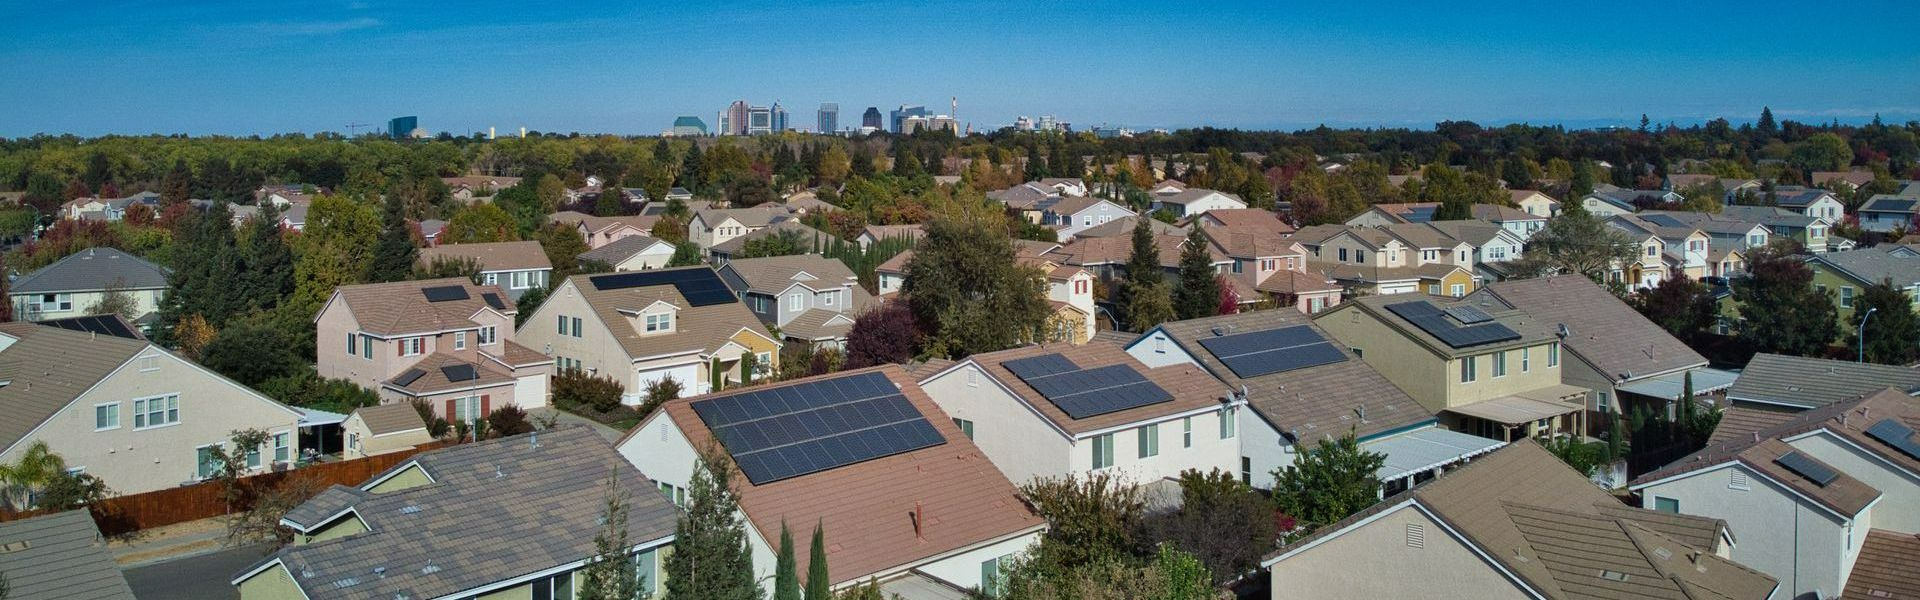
541 414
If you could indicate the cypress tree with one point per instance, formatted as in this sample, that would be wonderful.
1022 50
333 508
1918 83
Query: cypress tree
393 254
710 559
819 584
786 573
1199 291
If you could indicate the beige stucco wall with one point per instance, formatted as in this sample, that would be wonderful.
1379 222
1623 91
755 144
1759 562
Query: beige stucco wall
272 584
211 408
1374 560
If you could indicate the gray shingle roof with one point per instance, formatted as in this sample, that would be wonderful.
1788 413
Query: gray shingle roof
1813 382
93 269
64 558
496 510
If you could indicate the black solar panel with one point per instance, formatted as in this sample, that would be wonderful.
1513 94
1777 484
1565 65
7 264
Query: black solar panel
407 378
1083 393
445 293
459 372
100 324
1273 351
700 286
789 431
1893 433
1818 473
1451 332
493 300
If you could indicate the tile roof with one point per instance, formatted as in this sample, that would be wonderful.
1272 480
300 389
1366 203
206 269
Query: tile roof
864 506
390 418
63 557
1848 420
1604 331
493 256
697 329
1305 404
618 251
450 536
92 269
1192 388
1885 568
49 367
400 307
1803 382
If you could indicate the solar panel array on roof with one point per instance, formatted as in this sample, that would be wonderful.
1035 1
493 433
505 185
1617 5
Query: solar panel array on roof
1468 315
493 300
1893 433
407 378
1271 351
1432 320
701 287
444 293
1083 393
789 431
1818 473
100 324
459 372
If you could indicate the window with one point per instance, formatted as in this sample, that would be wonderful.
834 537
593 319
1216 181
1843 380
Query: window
156 411
206 465
282 450
1499 364
520 280
1229 425
554 587
467 409
106 416
459 340
1846 296
486 335
576 326
1526 359
966 427
1186 432
51 303
1103 451
796 301
1467 374
1150 441
1553 355
660 322
1666 505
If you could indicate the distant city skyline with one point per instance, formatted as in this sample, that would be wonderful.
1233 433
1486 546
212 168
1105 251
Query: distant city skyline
236 68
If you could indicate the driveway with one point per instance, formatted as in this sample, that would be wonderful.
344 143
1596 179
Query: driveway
206 576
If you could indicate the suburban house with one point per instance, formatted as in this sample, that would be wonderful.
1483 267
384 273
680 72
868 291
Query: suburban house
59 556
1536 203
1486 370
903 496
1516 523
514 266
632 253
1811 232
1811 201
1298 387
1850 273
1069 216
1193 201
511 517
600 231
449 342
1617 354
874 233
474 187
810 298
1054 411
1790 384
382 429
644 326
131 413
76 285
714 226
1809 497
1887 212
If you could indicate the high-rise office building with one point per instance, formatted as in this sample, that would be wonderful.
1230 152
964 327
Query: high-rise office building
871 118
402 127
899 116
829 116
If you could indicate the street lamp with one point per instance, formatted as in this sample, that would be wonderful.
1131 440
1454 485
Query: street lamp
1863 334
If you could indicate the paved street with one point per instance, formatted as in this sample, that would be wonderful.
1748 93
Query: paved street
203 577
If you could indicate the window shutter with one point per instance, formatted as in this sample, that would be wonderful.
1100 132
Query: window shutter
450 413
486 405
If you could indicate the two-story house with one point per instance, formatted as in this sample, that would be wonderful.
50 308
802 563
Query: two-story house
714 226
1193 201
78 284
645 326
448 342
809 298
1069 216
903 495
514 266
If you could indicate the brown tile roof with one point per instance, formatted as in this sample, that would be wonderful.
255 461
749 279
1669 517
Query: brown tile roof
495 256
48 368
1192 387
390 418
864 507
1886 568
697 329
1309 403
400 308
1848 420
1605 332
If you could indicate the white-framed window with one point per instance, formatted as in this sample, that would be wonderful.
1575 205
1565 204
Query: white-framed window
486 335
1500 364
459 340
1103 451
659 322
50 303
467 409
156 411
1149 442
1229 423
1467 371
106 416
520 280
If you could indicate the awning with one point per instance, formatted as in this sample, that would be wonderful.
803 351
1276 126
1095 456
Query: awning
1669 386
1427 449
310 417
1516 409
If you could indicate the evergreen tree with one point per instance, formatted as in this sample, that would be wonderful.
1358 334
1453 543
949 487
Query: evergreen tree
394 252
710 559
819 584
1199 292
786 571
611 574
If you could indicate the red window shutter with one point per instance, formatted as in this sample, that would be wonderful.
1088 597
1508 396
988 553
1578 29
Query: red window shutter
486 405
449 410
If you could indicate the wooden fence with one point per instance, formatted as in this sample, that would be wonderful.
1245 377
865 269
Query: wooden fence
121 515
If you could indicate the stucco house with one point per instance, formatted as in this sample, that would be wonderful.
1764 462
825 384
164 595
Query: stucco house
73 286
905 498
449 342
810 298
643 326
131 413
632 253
514 266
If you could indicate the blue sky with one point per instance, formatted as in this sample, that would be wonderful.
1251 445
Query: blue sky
96 67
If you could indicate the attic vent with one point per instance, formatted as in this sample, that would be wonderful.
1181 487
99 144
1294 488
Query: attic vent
1416 536
1737 480
12 547
1612 575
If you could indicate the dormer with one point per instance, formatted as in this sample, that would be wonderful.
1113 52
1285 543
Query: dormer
660 318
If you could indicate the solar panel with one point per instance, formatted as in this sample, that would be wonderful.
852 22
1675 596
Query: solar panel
459 372
700 286
407 378
789 431
1438 324
1818 473
444 293
1083 393
1468 315
493 300
1273 351
1893 433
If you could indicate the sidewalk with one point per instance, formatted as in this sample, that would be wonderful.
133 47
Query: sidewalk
160 544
